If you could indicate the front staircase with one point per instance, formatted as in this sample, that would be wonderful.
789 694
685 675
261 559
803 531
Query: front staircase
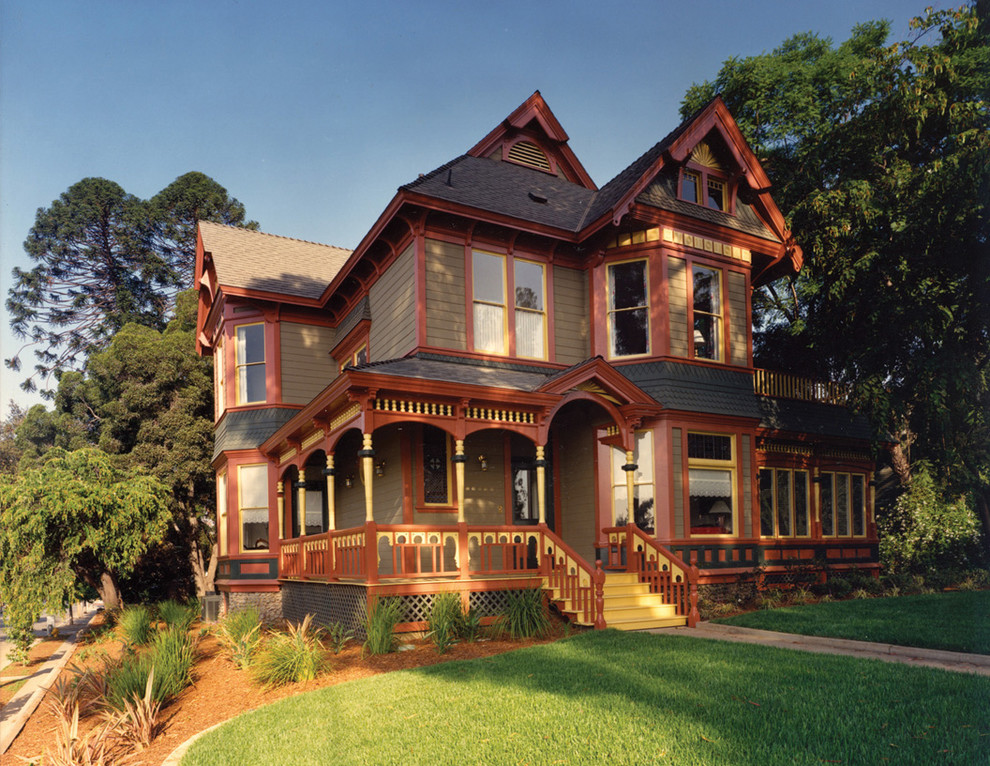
629 605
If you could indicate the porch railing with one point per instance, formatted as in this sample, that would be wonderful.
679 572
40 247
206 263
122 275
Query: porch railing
380 552
630 549
786 386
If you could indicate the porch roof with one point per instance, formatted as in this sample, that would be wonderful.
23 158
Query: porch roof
462 370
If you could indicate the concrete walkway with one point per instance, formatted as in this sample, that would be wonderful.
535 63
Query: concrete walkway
933 658
15 713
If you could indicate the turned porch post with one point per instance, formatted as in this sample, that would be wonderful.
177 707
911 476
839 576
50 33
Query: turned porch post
301 501
331 500
280 504
630 469
541 483
459 460
367 455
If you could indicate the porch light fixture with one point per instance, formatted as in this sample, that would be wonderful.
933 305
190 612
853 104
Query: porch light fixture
380 468
483 462
349 481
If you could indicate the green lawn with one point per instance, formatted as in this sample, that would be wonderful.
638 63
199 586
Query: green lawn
958 621
624 698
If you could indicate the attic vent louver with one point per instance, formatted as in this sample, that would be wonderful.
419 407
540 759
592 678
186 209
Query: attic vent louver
528 153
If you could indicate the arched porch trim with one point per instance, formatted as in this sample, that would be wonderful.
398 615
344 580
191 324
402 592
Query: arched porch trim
625 429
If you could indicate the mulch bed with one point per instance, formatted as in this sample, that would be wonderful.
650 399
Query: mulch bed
220 691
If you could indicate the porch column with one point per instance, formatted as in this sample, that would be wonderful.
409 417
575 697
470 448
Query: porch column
331 500
367 455
301 502
630 469
280 504
541 483
459 459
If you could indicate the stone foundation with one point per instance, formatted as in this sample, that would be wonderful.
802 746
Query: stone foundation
269 605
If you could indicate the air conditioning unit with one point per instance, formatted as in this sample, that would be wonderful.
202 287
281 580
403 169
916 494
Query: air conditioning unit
212 604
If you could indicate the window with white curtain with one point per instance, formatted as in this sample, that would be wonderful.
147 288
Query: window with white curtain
488 276
524 332
711 482
252 489
643 494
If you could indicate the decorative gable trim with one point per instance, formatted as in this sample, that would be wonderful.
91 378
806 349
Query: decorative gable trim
598 377
538 125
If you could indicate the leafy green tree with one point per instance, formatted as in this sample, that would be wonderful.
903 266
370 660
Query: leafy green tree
75 517
10 454
95 272
176 209
105 258
880 156
152 396
147 401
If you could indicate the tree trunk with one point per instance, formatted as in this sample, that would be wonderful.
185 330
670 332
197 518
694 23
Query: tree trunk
109 592
899 462
203 574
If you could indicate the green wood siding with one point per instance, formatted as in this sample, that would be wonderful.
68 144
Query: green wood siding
445 290
738 353
571 310
677 305
575 447
307 367
393 310
484 491
676 475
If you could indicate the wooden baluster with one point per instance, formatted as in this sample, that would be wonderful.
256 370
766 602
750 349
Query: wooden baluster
693 614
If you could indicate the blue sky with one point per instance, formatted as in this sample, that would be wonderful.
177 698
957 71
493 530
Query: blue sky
313 113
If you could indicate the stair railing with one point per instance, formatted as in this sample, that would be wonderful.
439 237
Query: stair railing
572 578
630 549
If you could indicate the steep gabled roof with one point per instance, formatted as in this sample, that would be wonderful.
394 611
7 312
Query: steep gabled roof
251 260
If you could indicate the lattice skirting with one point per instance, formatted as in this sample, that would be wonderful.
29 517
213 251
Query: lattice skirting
331 603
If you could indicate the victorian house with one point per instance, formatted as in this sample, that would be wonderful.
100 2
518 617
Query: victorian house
520 379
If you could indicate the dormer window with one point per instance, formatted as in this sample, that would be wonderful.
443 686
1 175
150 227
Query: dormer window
703 180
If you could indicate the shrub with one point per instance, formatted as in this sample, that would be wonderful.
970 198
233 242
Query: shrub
802 596
770 599
135 624
839 587
337 637
445 621
525 614
925 531
172 655
379 626
178 615
291 657
239 633
470 627
138 722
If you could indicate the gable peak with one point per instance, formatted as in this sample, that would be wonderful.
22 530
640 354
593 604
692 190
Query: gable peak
533 137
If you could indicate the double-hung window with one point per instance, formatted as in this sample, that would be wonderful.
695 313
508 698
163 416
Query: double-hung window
220 376
711 482
496 331
784 503
628 309
252 489
250 363
707 310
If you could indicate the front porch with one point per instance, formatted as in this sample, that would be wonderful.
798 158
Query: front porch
639 583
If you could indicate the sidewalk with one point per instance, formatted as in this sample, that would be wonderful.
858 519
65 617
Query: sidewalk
958 662
15 713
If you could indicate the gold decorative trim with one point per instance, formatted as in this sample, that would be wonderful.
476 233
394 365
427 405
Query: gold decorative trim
501 416
287 455
704 156
344 416
413 407
312 439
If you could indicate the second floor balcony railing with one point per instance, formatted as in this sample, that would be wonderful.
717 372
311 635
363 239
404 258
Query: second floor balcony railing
787 386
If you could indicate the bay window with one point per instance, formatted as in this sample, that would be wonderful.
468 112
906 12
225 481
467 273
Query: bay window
220 377
252 489
711 484
628 309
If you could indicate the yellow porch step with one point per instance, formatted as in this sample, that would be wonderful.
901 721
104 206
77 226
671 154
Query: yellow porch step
629 605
